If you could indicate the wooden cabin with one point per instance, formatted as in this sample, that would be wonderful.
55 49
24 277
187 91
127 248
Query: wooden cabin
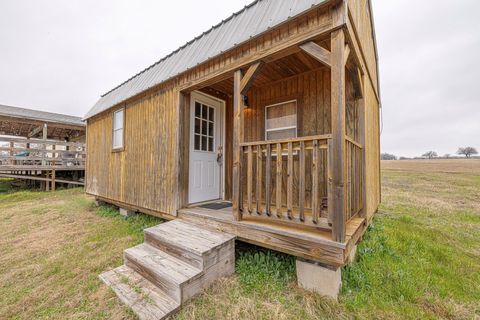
266 127
42 147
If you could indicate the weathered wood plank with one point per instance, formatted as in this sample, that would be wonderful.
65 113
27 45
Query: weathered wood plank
258 190
249 178
278 188
290 180
318 52
268 177
237 140
249 77
337 202
301 186
315 181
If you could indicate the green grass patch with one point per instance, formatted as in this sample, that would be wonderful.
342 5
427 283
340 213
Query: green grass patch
262 271
420 259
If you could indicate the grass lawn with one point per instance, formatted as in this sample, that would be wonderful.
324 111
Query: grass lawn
419 259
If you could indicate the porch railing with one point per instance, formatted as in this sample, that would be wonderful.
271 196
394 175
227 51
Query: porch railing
18 153
354 178
286 180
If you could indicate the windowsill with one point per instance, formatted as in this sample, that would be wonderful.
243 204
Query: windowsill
118 149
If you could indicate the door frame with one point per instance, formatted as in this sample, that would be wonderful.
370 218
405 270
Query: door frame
193 95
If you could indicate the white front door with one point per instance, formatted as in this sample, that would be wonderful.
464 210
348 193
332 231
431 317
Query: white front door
206 145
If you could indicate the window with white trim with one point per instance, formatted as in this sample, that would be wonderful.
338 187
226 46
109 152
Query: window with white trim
281 120
118 120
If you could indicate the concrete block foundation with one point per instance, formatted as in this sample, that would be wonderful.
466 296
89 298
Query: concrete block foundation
126 212
321 279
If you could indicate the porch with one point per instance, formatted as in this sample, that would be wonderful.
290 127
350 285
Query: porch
311 244
293 160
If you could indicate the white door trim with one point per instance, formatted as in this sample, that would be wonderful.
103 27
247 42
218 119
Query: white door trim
208 99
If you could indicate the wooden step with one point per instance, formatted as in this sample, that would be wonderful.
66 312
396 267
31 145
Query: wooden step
142 296
165 271
192 244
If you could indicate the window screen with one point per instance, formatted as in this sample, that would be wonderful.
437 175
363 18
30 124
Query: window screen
118 129
281 121
204 131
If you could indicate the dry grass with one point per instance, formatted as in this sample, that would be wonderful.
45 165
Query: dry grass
420 258
53 246
439 166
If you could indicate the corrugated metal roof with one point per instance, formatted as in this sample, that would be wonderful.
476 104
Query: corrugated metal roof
29 114
251 21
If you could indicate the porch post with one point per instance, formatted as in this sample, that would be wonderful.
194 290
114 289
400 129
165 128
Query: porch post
336 204
237 139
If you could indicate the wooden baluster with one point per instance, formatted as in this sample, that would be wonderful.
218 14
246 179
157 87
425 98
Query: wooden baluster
259 179
278 200
249 178
330 191
290 180
240 168
268 172
301 187
315 168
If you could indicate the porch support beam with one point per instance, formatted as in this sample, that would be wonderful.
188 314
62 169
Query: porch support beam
237 139
318 52
35 131
337 164
347 54
249 77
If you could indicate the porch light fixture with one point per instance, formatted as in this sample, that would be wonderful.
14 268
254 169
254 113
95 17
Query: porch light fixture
245 102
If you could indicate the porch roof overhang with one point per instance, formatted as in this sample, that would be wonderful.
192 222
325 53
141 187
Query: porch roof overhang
15 121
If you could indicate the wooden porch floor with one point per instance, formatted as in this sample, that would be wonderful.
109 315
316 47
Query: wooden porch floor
310 244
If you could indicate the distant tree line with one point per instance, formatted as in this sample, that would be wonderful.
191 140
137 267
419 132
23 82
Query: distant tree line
468 152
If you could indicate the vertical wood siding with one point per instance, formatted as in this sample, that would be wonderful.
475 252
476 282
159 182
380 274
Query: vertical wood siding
144 174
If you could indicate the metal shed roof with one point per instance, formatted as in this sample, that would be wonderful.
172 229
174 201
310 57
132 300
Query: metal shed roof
251 21
35 115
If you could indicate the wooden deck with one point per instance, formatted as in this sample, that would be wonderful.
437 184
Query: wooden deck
48 161
309 243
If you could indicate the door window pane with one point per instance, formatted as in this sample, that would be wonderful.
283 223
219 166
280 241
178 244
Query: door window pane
204 128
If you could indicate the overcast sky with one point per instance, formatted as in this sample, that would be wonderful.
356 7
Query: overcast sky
60 56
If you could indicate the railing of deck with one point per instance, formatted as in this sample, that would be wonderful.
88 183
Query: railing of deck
17 153
286 180
354 178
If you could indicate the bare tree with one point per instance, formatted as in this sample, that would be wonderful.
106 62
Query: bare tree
430 154
447 155
467 151
388 156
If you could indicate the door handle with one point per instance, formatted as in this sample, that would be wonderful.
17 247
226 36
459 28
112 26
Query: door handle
219 157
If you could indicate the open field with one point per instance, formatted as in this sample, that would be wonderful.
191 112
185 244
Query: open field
440 166
420 258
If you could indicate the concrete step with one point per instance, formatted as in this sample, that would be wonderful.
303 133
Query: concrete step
142 296
192 244
165 271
